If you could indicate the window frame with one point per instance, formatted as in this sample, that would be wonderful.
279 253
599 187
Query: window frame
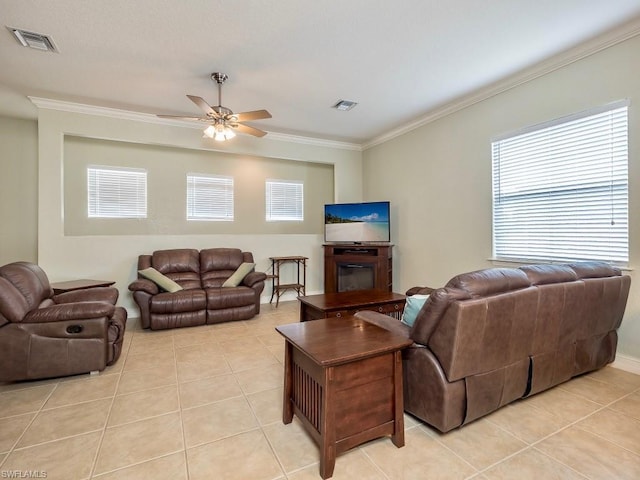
286 213
133 179
227 187
563 232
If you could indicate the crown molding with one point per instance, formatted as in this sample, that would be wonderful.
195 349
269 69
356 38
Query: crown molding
63 106
569 56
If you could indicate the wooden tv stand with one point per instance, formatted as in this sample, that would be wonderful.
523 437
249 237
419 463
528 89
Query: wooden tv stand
375 257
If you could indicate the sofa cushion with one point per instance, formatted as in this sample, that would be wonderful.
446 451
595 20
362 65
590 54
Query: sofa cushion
545 274
412 307
182 265
236 277
490 281
30 280
218 264
161 280
182 301
13 305
228 297
595 269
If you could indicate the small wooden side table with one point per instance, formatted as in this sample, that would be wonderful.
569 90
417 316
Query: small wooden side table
68 286
277 288
343 380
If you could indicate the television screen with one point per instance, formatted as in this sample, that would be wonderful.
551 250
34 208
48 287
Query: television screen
357 222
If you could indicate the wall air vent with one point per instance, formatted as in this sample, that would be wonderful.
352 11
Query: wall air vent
34 40
344 105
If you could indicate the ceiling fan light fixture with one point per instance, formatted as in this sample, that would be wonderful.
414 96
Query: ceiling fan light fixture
221 121
222 133
209 132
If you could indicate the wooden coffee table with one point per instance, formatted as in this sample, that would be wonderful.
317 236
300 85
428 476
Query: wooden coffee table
343 304
343 380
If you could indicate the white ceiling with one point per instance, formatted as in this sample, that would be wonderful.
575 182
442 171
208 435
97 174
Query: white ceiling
400 60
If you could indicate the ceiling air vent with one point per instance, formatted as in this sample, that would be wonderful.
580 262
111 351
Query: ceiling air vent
344 105
34 40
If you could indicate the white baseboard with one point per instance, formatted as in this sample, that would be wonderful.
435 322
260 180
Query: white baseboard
628 364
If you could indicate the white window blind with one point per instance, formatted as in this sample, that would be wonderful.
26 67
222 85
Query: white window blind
285 201
117 192
560 191
209 197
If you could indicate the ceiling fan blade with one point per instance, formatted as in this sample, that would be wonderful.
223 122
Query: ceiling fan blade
206 108
250 130
180 117
254 115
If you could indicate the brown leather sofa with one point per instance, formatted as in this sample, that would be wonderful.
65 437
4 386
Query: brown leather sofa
43 335
493 336
203 299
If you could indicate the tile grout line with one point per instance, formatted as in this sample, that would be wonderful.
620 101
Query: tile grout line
147 418
13 447
260 426
182 429
113 399
533 445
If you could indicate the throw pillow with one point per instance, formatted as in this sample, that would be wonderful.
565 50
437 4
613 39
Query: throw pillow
236 277
159 279
412 308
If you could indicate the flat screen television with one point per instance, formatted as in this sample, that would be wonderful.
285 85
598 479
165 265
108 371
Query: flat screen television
357 222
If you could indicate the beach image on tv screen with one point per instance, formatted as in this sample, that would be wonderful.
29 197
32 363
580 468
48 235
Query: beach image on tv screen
357 222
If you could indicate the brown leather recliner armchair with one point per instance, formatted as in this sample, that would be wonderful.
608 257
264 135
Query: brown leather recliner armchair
43 335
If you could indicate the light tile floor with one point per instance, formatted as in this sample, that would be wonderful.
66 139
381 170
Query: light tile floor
206 403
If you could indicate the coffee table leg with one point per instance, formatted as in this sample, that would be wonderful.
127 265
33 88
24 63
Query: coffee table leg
328 426
327 461
287 406
398 436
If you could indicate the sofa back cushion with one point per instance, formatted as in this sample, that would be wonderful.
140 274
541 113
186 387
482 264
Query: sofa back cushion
180 265
490 281
23 287
218 264
546 274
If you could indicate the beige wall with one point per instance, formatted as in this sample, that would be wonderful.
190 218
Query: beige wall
438 177
167 169
114 256
18 190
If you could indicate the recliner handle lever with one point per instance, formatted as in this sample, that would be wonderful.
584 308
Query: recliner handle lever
74 329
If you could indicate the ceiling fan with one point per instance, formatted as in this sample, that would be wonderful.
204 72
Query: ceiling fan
222 121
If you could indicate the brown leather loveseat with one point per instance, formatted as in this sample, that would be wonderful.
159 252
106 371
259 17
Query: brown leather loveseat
43 335
493 336
202 298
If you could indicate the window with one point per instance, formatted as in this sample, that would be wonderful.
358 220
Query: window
560 190
117 192
285 201
209 197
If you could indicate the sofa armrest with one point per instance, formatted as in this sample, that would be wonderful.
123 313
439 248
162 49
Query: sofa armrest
96 294
384 321
254 277
432 312
144 285
93 328
419 291
70 311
